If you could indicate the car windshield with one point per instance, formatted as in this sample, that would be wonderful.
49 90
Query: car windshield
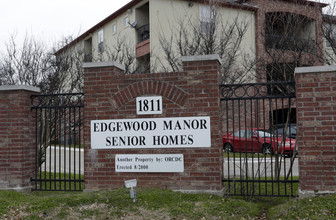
262 133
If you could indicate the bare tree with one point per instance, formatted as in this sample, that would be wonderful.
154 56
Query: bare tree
67 74
58 71
26 65
33 63
210 35
290 41
121 52
329 33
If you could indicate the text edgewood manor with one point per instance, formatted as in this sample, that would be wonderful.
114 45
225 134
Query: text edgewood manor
151 133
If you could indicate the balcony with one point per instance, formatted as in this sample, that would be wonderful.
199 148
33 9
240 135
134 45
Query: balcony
143 48
143 45
297 44
143 33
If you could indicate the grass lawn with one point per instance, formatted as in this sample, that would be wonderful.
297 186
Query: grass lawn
252 187
158 204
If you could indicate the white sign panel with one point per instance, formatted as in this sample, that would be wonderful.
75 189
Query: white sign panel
137 133
149 105
149 163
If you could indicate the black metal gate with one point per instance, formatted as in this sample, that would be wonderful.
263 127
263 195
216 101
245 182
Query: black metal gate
259 150
59 142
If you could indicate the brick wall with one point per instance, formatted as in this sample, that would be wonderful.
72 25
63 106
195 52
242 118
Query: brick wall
316 138
17 137
110 94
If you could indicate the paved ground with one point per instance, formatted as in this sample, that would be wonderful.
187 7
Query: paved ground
64 160
236 167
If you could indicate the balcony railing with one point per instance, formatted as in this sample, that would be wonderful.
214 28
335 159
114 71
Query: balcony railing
281 42
143 33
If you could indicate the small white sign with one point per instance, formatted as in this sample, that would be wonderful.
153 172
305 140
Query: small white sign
149 163
183 132
151 105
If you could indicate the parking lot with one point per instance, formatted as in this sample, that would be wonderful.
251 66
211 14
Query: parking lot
63 160
258 167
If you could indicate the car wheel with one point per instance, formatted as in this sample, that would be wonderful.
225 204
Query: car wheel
267 149
227 148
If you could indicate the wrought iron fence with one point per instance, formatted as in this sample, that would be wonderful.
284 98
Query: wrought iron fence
257 159
59 142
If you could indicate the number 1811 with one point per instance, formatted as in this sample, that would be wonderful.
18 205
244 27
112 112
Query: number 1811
149 105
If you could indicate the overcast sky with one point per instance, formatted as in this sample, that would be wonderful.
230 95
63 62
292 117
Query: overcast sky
50 20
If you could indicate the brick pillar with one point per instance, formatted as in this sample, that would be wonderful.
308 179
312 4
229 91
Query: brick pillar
192 93
17 137
316 121
99 86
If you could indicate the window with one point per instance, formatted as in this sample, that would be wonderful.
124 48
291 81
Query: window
101 41
114 28
207 19
126 21
240 133
289 31
88 50
248 134
330 33
263 134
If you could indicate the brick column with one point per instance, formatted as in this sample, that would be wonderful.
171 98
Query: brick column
194 92
99 86
17 137
316 121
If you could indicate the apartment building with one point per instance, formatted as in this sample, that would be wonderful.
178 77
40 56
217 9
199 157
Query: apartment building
278 35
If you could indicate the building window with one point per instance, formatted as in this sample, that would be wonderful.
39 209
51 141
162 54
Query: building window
330 34
101 41
114 28
207 19
288 31
88 50
126 21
